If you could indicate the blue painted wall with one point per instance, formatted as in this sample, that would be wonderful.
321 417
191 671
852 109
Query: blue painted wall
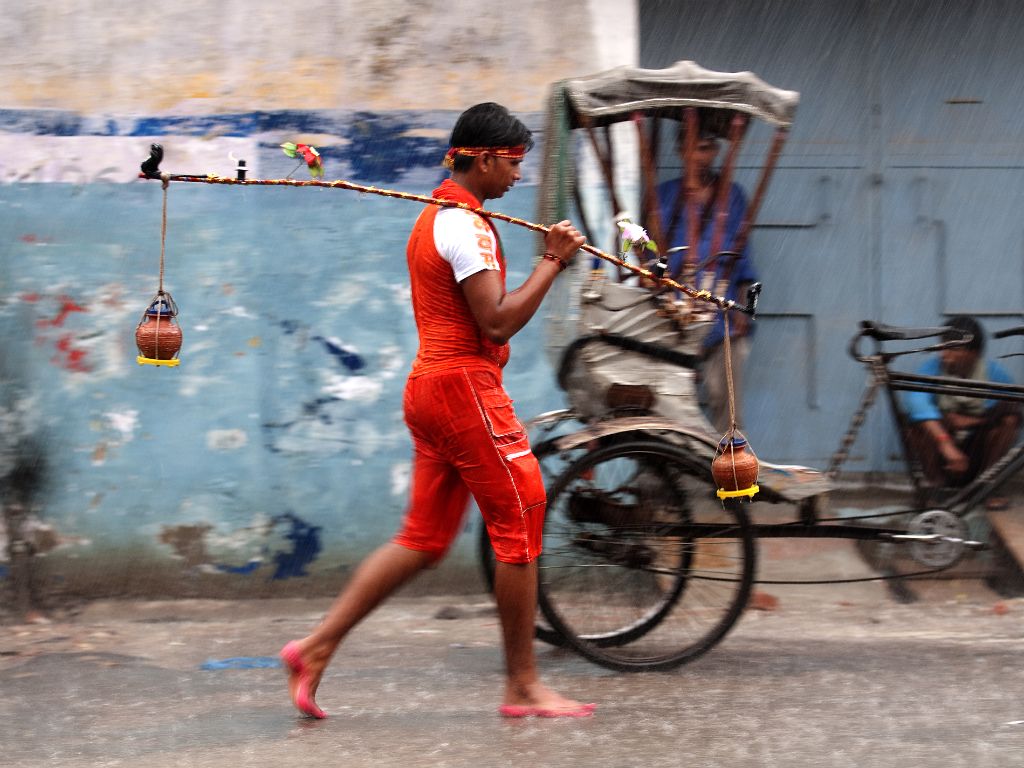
277 449
276 456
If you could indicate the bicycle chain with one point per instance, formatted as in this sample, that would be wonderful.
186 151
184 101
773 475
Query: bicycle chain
843 452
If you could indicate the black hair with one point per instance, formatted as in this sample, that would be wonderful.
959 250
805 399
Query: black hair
712 124
487 125
969 325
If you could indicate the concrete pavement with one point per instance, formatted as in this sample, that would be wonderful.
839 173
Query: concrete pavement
834 676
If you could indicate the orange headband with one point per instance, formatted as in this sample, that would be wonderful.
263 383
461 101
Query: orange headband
513 153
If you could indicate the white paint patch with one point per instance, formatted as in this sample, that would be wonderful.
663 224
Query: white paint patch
194 383
123 423
335 341
116 159
390 361
343 293
400 473
246 540
226 439
358 388
238 311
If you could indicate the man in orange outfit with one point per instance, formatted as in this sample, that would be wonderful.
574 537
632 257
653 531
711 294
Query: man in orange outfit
466 437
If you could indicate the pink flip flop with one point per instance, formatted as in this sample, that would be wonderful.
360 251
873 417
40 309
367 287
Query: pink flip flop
519 710
291 656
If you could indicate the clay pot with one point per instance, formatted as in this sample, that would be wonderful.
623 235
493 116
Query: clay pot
158 336
735 467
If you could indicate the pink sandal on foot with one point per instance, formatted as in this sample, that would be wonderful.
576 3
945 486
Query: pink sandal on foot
292 658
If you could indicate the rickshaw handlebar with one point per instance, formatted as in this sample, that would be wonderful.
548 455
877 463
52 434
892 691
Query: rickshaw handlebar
881 333
1017 330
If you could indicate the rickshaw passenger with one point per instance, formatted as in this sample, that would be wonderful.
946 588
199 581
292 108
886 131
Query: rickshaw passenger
710 273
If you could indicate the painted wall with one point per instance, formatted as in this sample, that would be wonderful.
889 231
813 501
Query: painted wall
275 456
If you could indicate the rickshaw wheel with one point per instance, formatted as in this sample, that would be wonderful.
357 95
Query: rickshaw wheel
643 567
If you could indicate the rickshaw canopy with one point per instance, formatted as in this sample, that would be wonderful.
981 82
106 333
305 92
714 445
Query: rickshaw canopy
617 94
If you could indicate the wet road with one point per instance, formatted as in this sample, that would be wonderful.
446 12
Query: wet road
834 676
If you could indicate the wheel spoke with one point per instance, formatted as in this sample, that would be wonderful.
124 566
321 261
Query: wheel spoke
642 567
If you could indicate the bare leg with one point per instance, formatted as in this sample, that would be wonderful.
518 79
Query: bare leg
928 455
376 578
515 589
999 439
995 443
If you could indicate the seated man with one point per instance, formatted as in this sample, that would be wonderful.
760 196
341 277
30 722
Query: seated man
722 275
957 437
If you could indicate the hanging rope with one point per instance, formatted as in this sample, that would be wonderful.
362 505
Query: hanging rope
156 335
165 183
163 233
698 295
740 465
731 432
727 347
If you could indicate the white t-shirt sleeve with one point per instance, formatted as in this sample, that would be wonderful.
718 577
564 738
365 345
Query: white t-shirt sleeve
465 241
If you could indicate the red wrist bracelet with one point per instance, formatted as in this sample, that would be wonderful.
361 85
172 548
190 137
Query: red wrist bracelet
551 257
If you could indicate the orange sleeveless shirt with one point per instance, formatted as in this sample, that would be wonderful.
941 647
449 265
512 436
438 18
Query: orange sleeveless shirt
448 333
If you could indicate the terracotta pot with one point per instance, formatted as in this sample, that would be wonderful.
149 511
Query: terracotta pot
735 467
158 336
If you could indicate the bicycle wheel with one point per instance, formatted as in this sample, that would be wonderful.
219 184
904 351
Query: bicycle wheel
643 567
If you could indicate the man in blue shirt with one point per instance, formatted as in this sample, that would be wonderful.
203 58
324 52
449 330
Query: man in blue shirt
957 437
720 273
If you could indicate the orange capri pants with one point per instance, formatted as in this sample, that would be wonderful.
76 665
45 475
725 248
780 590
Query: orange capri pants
467 440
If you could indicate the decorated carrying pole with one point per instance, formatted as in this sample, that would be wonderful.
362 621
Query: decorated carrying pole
150 169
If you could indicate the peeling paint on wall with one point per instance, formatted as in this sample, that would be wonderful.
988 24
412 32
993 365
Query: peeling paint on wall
401 474
348 358
188 542
285 542
123 423
226 439
295 311
305 540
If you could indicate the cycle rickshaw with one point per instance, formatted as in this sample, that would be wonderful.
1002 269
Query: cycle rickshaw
645 567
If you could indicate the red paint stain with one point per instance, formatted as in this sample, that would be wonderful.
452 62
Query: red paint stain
67 355
70 358
67 306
